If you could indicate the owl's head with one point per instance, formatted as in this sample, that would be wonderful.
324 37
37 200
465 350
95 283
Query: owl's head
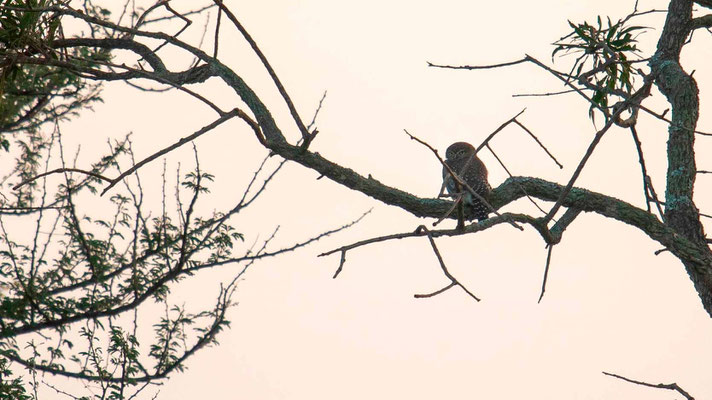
459 151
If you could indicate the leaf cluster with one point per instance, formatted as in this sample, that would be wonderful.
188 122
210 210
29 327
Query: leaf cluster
604 58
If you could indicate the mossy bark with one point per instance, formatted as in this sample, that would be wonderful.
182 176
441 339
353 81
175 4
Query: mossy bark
681 91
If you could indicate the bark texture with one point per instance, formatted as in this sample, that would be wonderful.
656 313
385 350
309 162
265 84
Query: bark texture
681 91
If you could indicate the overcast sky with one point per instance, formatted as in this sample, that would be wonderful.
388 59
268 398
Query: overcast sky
611 304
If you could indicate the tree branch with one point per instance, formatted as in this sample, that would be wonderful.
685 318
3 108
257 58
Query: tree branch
704 21
670 386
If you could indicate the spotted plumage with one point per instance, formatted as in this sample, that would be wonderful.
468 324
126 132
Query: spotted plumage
461 157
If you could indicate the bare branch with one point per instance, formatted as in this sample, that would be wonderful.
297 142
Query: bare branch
496 131
669 386
61 170
435 293
265 254
270 70
316 113
471 67
341 264
235 112
579 168
539 143
546 272
511 176
704 21
567 91
648 189
447 273
471 228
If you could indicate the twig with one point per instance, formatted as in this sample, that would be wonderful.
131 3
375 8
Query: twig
316 113
447 273
669 386
511 176
217 33
647 182
470 67
268 67
112 182
471 228
496 131
543 94
60 170
169 17
641 160
655 197
248 256
185 19
457 200
579 168
435 293
546 273
341 264
539 143
662 118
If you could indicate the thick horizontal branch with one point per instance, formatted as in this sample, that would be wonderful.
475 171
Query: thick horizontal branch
607 206
511 190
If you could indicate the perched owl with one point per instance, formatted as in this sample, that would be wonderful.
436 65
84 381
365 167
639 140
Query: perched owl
461 158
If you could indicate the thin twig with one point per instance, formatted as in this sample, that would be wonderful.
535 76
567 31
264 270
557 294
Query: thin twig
511 176
496 131
217 34
447 273
235 112
268 67
648 189
669 386
456 201
539 143
543 94
341 264
435 293
316 113
546 273
641 160
471 228
579 168
470 67
60 170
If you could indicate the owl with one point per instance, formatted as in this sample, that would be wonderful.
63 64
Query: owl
461 157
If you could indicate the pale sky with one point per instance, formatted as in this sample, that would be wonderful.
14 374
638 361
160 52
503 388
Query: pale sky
611 304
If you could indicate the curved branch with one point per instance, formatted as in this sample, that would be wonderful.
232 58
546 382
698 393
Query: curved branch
110 43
